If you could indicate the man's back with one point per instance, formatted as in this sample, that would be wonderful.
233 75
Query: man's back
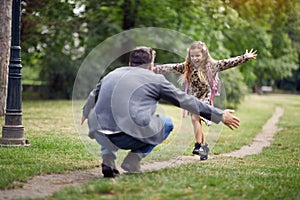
127 101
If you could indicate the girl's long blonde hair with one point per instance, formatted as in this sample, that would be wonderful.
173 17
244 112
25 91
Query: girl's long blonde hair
205 60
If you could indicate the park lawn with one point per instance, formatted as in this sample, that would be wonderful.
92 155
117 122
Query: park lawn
55 147
272 174
54 144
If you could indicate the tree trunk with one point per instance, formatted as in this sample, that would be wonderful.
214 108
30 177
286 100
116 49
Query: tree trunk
5 42
259 91
129 16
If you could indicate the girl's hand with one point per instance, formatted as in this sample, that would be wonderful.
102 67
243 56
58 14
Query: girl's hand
250 54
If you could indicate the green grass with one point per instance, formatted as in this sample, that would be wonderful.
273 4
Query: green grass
273 174
54 144
253 113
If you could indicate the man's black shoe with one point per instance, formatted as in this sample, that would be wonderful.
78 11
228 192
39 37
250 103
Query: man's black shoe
109 172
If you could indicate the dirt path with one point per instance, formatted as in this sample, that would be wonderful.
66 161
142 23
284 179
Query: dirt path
42 186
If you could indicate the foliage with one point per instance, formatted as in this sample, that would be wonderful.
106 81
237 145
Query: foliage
268 25
54 42
65 36
235 87
292 28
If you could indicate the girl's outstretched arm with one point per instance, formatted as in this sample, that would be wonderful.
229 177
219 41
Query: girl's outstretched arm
235 61
169 68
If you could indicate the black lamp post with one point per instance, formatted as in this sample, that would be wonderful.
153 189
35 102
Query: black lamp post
13 130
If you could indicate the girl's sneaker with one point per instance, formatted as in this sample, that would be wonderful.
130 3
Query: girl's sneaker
197 147
204 150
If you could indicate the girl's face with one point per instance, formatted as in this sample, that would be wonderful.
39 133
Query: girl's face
196 56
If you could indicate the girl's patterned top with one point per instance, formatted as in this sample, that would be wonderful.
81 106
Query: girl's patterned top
199 87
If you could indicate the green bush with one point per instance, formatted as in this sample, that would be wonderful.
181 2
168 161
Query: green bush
58 73
234 87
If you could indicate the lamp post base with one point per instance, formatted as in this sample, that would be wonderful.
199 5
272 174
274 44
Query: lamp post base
12 136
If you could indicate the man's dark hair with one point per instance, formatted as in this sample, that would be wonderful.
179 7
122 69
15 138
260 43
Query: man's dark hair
140 56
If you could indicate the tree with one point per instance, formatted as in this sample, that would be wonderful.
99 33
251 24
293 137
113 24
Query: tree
265 29
51 31
292 27
50 34
5 36
56 39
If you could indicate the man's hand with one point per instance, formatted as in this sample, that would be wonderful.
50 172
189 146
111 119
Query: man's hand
82 119
251 54
230 120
